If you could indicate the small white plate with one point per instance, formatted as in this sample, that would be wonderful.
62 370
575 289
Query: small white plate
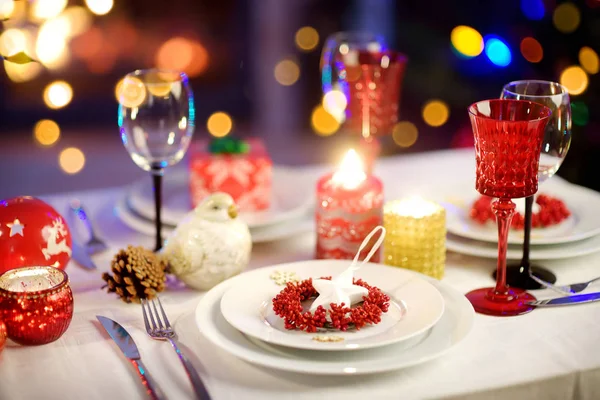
259 235
288 201
515 252
451 329
583 223
415 306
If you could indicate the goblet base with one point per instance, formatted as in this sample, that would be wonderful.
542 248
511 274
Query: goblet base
518 277
487 301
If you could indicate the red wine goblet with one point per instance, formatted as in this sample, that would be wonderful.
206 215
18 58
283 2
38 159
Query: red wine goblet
508 139
362 82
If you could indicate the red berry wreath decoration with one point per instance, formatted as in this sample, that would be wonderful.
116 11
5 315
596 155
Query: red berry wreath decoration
552 212
288 305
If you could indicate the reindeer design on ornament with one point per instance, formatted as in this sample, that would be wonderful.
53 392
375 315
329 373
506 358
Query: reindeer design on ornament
51 233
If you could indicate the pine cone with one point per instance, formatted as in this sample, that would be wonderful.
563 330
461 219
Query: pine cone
137 274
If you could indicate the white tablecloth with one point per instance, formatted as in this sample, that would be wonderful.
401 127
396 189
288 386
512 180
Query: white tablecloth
546 354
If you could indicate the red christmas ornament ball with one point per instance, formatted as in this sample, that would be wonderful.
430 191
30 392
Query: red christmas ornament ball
2 335
32 233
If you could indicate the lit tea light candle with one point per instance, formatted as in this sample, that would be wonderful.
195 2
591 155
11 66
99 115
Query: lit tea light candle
349 207
416 235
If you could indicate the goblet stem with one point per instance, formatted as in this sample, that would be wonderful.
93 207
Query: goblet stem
370 149
504 210
501 300
157 174
519 274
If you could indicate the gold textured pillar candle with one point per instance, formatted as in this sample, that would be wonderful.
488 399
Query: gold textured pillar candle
416 236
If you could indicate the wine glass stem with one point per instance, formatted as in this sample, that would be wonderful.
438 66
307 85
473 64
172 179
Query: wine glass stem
504 210
157 174
527 234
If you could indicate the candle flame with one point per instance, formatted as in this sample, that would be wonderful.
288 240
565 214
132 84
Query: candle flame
351 172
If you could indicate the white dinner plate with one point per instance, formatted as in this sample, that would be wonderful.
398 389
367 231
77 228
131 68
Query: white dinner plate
452 328
515 252
583 223
259 235
288 201
415 306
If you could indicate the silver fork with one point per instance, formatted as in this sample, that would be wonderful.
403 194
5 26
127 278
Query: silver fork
161 329
565 289
94 244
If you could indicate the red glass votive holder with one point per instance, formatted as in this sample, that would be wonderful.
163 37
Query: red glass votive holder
36 304
345 216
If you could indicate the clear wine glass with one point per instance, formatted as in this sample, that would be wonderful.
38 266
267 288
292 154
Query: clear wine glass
508 139
555 145
362 80
156 121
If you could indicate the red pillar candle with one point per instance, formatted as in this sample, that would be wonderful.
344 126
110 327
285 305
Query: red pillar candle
349 207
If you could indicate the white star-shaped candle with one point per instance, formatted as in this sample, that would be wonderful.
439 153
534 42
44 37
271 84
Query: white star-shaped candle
342 289
16 228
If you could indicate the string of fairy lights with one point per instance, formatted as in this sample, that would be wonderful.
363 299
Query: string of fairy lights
43 29
468 43
54 32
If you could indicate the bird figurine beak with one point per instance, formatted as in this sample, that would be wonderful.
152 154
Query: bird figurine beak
232 211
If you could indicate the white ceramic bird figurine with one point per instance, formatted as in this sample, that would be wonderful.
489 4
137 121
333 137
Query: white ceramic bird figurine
210 244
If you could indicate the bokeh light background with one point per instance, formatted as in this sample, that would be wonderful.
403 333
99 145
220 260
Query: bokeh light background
254 68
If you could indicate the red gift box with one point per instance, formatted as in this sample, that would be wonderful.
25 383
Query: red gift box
246 176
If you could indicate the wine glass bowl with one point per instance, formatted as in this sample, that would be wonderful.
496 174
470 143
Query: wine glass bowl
342 49
557 136
156 117
156 121
500 125
508 138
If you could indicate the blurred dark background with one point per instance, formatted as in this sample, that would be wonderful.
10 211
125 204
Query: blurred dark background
256 63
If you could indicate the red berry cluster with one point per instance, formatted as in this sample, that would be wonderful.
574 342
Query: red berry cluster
288 305
552 212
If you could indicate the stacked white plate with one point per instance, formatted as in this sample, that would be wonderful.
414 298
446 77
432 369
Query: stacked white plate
289 214
578 235
426 318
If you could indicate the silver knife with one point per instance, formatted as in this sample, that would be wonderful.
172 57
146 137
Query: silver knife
81 256
567 300
126 344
